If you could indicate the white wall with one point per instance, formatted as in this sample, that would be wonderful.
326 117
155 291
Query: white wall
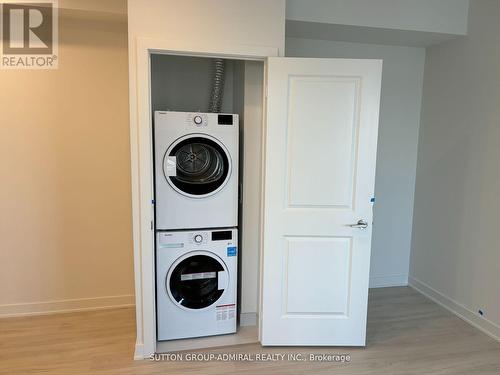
439 16
252 174
237 22
455 249
402 78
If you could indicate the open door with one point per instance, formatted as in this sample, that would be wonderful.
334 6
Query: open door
320 153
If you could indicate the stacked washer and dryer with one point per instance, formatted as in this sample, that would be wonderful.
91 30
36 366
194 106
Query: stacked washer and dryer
196 209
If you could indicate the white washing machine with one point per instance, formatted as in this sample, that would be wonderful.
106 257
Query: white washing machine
196 170
196 278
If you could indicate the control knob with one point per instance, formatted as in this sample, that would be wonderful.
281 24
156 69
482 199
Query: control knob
197 120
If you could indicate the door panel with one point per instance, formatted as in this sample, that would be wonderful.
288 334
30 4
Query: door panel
321 136
302 270
323 177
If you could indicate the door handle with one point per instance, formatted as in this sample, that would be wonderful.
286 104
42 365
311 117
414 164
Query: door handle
361 224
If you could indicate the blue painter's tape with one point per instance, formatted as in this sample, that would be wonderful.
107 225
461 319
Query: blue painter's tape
232 251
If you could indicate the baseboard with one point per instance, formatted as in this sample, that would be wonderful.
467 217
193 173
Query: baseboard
387 281
139 351
477 321
64 306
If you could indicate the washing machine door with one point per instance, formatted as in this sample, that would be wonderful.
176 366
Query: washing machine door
197 280
197 165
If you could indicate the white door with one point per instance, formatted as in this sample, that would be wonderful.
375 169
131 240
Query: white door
321 141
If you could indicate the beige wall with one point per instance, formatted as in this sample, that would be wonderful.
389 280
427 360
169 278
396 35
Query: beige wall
455 252
65 218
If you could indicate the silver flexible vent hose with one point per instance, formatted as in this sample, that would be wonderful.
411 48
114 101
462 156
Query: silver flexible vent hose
217 93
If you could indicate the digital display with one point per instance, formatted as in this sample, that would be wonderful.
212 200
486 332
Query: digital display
225 120
222 235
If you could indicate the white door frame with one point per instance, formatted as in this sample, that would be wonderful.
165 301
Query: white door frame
142 167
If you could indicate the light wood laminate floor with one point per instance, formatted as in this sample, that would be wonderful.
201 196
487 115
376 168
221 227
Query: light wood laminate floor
407 334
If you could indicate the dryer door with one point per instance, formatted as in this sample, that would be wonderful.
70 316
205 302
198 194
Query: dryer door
197 280
197 165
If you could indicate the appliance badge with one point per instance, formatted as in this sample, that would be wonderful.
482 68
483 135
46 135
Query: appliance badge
232 251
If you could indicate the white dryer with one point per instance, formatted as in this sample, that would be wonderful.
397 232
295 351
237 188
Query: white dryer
196 170
196 278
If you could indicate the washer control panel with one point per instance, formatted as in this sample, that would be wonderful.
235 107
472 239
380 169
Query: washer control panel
223 240
198 238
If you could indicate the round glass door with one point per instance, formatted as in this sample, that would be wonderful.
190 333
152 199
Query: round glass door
197 165
193 282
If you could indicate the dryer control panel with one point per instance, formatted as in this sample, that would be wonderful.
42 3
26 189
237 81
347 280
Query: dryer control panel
197 119
201 120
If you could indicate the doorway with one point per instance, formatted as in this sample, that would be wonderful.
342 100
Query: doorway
182 83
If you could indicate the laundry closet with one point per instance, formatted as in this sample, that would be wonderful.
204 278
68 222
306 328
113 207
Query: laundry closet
207 140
